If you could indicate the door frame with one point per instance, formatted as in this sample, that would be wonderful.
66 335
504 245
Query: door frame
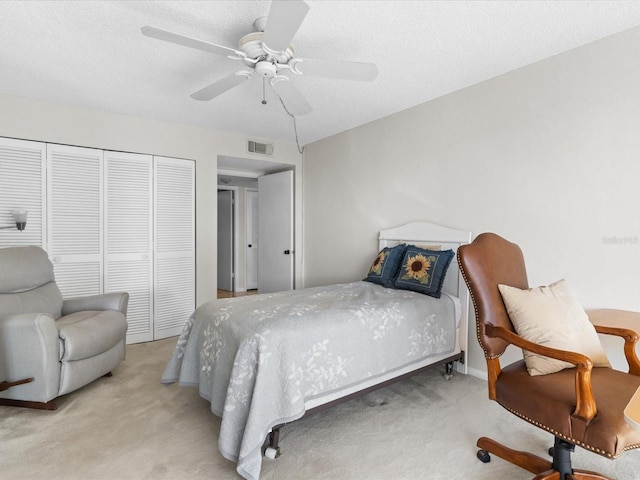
236 260
247 220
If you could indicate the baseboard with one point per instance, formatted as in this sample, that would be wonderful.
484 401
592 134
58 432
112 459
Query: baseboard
474 372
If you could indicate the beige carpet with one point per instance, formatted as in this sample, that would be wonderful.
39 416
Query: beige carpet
129 426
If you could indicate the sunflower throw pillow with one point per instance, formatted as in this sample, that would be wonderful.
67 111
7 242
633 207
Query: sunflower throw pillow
423 270
385 266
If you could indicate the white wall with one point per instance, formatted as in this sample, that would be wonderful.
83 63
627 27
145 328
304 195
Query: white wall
31 119
547 156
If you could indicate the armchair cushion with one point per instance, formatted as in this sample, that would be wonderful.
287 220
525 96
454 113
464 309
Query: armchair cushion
89 333
44 299
24 268
553 317
27 283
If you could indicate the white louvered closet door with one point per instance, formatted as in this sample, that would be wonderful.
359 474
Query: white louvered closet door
22 181
74 211
129 234
174 255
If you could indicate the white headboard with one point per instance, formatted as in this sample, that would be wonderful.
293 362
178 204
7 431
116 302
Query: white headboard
425 233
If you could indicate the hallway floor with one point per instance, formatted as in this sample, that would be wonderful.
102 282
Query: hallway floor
228 294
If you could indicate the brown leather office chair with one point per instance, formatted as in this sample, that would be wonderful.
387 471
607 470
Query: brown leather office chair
580 406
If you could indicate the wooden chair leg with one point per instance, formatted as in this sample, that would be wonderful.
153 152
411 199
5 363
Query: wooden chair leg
530 462
587 475
543 469
548 475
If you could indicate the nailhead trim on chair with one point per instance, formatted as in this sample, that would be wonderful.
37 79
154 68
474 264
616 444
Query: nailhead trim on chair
570 439
475 310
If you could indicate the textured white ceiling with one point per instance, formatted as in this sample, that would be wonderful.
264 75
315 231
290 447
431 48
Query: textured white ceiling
92 54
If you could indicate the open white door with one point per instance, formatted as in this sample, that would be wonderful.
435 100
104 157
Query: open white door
225 240
275 231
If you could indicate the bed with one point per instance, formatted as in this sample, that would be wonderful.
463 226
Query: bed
266 360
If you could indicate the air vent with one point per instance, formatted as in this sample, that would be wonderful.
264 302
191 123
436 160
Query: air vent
261 148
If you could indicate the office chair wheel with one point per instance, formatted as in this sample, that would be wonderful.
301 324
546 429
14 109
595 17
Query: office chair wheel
483 456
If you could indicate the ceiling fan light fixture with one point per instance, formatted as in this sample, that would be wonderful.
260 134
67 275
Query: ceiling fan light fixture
266 69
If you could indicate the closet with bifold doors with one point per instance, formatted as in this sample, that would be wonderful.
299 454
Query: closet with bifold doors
110 221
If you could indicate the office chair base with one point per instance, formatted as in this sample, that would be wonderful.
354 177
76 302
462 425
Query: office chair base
541 468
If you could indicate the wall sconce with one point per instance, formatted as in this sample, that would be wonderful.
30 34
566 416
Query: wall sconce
20 217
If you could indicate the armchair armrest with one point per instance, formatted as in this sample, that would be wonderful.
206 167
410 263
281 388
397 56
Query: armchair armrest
630 339
586 407
108 301
623 324
30 349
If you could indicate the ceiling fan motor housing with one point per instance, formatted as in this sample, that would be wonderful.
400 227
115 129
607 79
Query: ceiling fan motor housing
251 45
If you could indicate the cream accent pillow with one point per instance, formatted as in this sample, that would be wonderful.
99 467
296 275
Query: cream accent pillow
553 317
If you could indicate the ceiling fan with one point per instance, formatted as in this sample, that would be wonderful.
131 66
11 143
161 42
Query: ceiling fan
267 53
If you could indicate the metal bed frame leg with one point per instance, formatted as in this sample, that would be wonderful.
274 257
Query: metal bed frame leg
449 370
449 367
273 450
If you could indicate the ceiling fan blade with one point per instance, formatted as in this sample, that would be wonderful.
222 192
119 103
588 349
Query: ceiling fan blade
335 69
189 42
221 86
284 20
293 101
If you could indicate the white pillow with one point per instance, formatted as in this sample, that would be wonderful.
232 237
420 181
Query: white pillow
553 317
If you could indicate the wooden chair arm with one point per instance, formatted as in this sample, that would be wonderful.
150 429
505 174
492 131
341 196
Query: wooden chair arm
586 407
630 339
575 358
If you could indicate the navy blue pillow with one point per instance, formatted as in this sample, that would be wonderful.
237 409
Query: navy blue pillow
384 269
423 270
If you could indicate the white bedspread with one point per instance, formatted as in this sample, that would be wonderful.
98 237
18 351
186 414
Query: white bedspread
258 358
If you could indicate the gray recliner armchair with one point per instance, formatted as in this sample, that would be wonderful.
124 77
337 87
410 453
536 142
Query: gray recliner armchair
50 346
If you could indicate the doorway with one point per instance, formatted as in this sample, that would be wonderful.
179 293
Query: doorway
232 259
242 174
